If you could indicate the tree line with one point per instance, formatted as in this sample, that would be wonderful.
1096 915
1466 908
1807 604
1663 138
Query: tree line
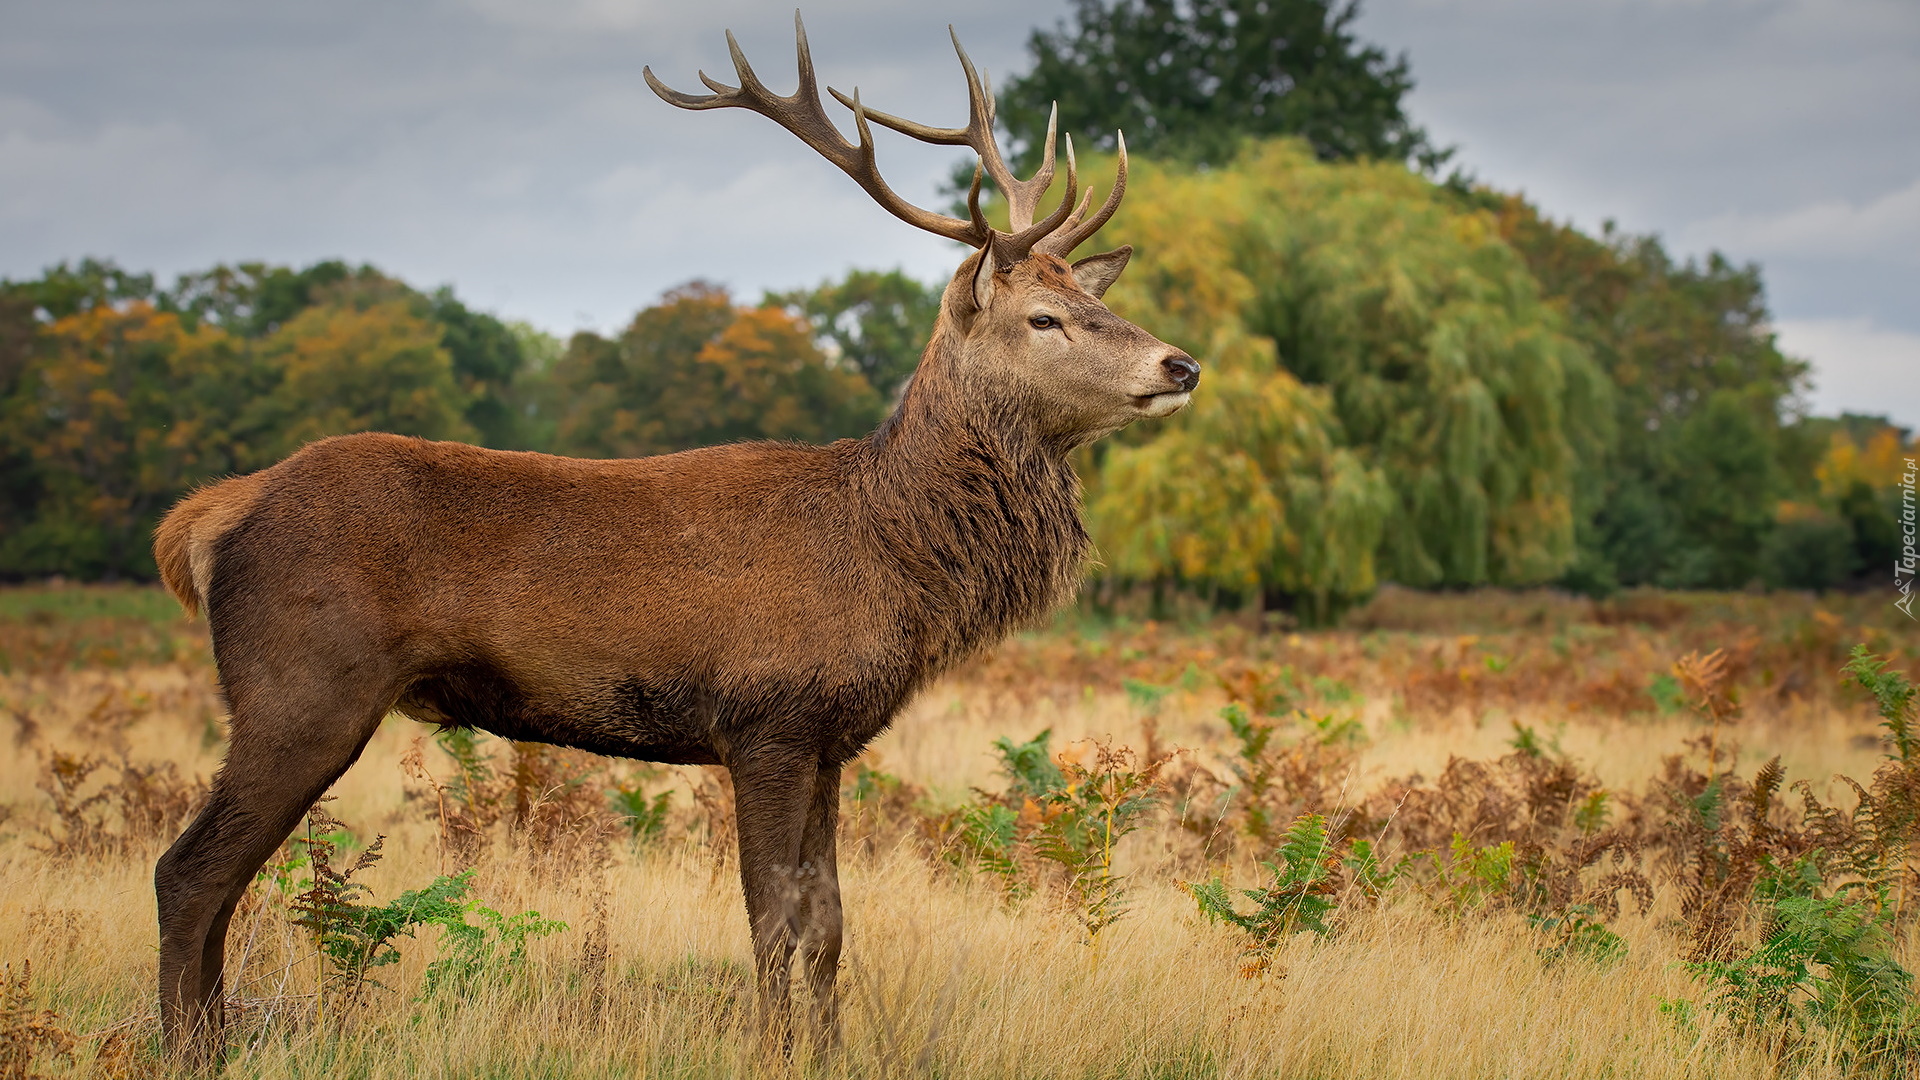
1418 379
1434 384
1411 378
117 395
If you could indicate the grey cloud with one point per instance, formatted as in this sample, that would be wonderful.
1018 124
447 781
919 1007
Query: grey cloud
1667 115
512 149
1782 131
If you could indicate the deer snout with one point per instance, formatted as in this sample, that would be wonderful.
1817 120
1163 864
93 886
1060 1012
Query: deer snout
1184 370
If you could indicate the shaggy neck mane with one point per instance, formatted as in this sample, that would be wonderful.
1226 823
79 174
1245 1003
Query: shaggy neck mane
980 512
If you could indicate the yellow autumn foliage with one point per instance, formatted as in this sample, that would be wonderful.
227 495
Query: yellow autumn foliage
1878 462
1387 396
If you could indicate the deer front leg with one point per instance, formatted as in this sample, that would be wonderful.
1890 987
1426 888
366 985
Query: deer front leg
820 907
773 794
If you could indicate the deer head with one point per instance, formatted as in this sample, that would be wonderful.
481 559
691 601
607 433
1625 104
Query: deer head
1019 325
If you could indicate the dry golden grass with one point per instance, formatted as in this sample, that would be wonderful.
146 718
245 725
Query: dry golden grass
943 975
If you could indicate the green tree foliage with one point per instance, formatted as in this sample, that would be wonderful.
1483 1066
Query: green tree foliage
342 368
486 357
876 323
256 301
640 392
534 397
695 370
252 300
1389 395
116 397
115 412
1688 495
1191 79
65 289
25 307
1406 381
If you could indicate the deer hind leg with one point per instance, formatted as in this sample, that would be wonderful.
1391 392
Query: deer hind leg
820 922
286 750
773 795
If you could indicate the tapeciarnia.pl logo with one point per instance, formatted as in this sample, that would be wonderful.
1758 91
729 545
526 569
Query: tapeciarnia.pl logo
1903 567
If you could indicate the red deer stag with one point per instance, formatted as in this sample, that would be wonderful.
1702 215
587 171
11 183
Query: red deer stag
769 607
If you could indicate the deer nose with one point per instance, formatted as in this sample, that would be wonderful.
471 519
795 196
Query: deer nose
1184 370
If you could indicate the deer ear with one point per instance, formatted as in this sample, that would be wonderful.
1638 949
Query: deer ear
983 279
1097 273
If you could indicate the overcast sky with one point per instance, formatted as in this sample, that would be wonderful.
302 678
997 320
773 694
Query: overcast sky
511 149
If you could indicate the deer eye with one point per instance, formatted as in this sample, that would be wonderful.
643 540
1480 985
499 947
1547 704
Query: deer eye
1043 322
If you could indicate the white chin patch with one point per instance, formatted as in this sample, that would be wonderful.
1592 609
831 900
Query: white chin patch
1163 404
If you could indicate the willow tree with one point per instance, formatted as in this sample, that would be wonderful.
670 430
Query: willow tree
1434 406
1250 495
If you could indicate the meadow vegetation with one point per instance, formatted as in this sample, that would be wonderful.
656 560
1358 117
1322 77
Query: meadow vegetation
1515 834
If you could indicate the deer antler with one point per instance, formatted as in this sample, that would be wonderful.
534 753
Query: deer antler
1079 227
1063 232
803 114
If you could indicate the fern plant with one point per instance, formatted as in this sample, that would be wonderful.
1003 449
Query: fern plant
1083 819
985 838
1874 842
1473 877
1829 899
1577 931
1894 695
326 906
1310 872
1825 965
496 946
987 831
1145 697
644 816
1029 766
352 937
25 1031
1253 766
1059 811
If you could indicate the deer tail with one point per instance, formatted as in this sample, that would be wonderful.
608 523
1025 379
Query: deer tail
183 544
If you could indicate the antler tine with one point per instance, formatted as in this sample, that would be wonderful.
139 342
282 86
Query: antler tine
1080 212
979 111
926 133
975 231
803 59
973 196
674 97
1080 230
1018 246
1086 199
1023 196
801 113
1031 189
748 80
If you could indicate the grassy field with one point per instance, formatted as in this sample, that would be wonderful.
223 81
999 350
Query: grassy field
1513 840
